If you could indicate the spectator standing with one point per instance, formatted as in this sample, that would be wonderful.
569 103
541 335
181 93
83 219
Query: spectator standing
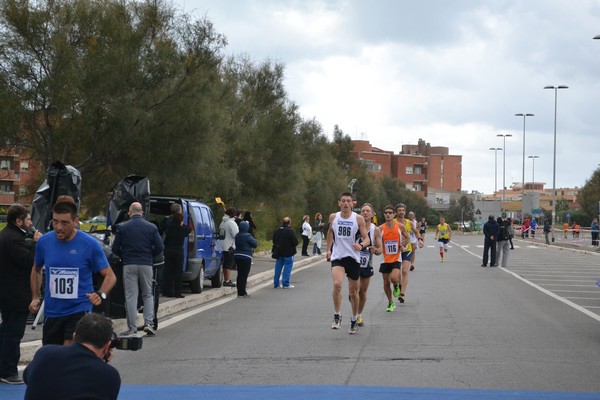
547 229
252 226
491 229
284 244
137 241
595 232
78 371
318 235
244 248
228 229
533 227
502 244
511 232
16 259
174 256
70 259
306 234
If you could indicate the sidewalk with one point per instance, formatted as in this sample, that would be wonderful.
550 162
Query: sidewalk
261 271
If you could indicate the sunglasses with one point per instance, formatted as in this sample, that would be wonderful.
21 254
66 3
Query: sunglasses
388 212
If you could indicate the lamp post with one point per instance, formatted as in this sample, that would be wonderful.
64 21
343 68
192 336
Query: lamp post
523 176
533 168
504 136
495 149
555 88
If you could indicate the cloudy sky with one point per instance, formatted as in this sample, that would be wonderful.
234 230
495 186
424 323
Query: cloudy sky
453 73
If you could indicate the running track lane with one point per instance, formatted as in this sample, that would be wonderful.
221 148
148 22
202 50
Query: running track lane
195 392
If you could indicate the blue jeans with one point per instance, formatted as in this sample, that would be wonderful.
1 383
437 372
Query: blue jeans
284 263
12 330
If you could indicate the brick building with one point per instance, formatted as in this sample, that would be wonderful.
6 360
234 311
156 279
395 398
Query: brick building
19 177
423 168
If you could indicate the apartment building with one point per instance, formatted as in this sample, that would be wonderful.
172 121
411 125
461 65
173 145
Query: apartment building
423 168
19 177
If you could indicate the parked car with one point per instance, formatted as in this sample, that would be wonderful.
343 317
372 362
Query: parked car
99 219
203 253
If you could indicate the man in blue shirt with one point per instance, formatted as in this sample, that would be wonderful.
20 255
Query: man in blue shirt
70 258
137 241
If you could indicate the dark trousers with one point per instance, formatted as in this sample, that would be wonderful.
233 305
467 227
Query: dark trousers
12 330
173 272
489 245
243 268
595 238
305 241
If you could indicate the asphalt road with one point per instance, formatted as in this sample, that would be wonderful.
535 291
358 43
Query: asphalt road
532 326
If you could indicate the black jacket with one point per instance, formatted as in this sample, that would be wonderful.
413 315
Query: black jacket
16 260
286 241
137 241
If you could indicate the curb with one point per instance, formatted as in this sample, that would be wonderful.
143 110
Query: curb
175 306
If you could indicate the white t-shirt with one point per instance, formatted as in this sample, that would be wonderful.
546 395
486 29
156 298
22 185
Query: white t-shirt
306 229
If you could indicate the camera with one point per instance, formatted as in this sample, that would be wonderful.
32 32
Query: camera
132 343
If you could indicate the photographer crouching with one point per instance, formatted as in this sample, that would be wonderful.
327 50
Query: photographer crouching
79 370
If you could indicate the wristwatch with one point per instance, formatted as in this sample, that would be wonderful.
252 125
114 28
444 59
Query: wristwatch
102 295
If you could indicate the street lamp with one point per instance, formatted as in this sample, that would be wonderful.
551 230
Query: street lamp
504 136
554 163
533 168
523 176
495 149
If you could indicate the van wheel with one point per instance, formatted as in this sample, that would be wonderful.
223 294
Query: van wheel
217 280
197 285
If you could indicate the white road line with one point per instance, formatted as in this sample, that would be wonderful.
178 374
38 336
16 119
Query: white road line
583 298
549 293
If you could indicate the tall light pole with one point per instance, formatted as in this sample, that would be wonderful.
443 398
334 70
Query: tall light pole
554 162
504 136
533 168
495 149
523 176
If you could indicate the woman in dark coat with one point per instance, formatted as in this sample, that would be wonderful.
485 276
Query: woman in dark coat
174 256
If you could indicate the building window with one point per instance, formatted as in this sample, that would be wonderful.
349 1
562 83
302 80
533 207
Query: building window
409 170
418 186
24 165
5 187
418 170
23 191
5 164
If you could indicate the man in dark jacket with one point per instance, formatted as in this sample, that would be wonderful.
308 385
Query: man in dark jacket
491 229
137 241
16 260
284 243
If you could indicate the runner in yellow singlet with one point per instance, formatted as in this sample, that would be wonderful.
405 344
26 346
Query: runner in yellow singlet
443 234
406 250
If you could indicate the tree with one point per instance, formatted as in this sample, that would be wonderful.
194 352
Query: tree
589 195
461 210
109 87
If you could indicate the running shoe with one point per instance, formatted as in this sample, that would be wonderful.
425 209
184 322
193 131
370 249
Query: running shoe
396 290
359 321
443 260
391 307
337 321
401 298
353 327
